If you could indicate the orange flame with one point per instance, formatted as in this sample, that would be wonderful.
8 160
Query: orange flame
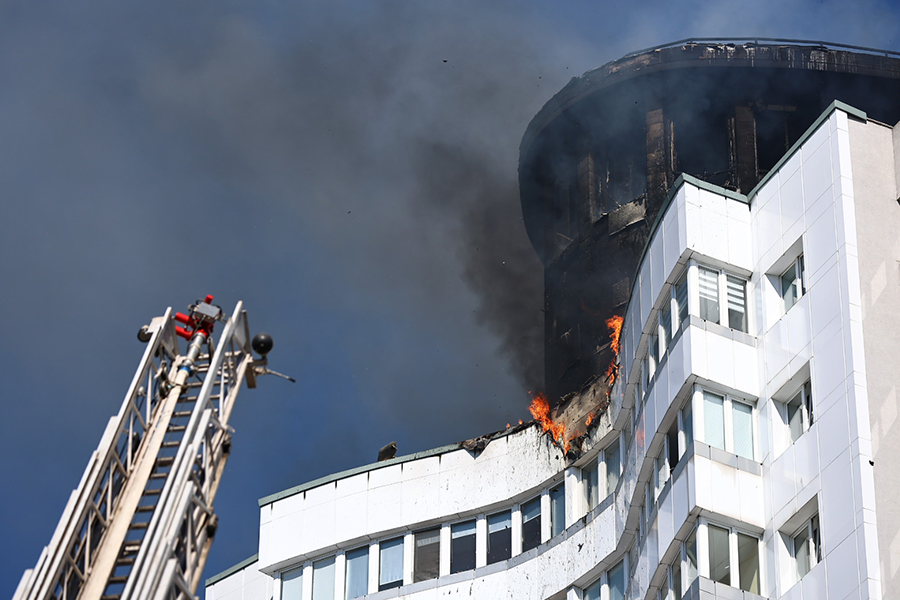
540 410
589 420
615 326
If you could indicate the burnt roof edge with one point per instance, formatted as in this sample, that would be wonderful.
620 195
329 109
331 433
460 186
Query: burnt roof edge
748 199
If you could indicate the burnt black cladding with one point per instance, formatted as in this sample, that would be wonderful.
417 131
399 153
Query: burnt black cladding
597 161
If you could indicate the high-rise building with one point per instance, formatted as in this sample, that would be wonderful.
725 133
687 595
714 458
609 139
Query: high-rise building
733 207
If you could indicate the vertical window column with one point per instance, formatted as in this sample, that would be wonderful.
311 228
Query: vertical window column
499 538
426 554
557 510
356 581
462 546
531 524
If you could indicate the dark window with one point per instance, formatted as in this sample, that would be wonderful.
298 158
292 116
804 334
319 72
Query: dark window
426 558
672 444
462 547
557 510
499 537
531 524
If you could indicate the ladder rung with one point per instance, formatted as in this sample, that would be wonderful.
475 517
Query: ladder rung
132 547
142 525
125 561
111 597
159 475
164 461
145 509
153 492
118 579
182 413
171 444
173 428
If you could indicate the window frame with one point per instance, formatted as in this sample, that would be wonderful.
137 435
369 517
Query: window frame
394 583
722 294
728 401
474 534
734 556
600 588
805 410
813 535
417 572
539 518
799 267
363 551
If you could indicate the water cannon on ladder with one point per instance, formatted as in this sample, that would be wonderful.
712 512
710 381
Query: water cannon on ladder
141 522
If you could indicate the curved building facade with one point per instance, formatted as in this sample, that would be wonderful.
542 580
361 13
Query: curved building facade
746 448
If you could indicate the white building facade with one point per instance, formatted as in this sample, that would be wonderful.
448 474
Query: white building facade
747 450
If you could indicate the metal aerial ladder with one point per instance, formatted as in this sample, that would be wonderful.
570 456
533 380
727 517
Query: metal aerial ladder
141 522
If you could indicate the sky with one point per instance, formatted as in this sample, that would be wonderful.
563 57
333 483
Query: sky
347 169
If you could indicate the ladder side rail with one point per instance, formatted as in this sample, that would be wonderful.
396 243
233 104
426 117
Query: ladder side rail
174 484
160 544
101 472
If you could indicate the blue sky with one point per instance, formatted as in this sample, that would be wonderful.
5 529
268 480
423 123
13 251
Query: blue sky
347 169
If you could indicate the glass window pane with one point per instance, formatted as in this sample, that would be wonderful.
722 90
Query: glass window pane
323 579
742 420
616 578
719 561
681 299
690 558
592 592
687 422
665 324
292 584
672 445
737 302
676 579
391 570
662 472
795 416
427 555
801 552
462 547
531 524
499 537
557 510
807 400
709 294
748 562
789 290
816 550
611 455
714 420
591 476
357 583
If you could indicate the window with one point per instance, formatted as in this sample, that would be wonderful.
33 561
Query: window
681 300
590 476
733 557
611 457
292 584
711 282
793 283
391 573
616 578
557 510
709 294
719 561
806 550
462 547
798 411
323 579
427 555
499 537
690 558
665 327
737 302
728 424
613 580
357 579
748 563
531 524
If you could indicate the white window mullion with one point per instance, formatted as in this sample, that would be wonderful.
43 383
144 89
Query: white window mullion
693 289
723 299
702 549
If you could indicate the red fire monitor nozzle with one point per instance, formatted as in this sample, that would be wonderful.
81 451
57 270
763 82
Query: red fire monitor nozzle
203 317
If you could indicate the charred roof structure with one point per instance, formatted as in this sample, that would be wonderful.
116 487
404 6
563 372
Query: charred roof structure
600 157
